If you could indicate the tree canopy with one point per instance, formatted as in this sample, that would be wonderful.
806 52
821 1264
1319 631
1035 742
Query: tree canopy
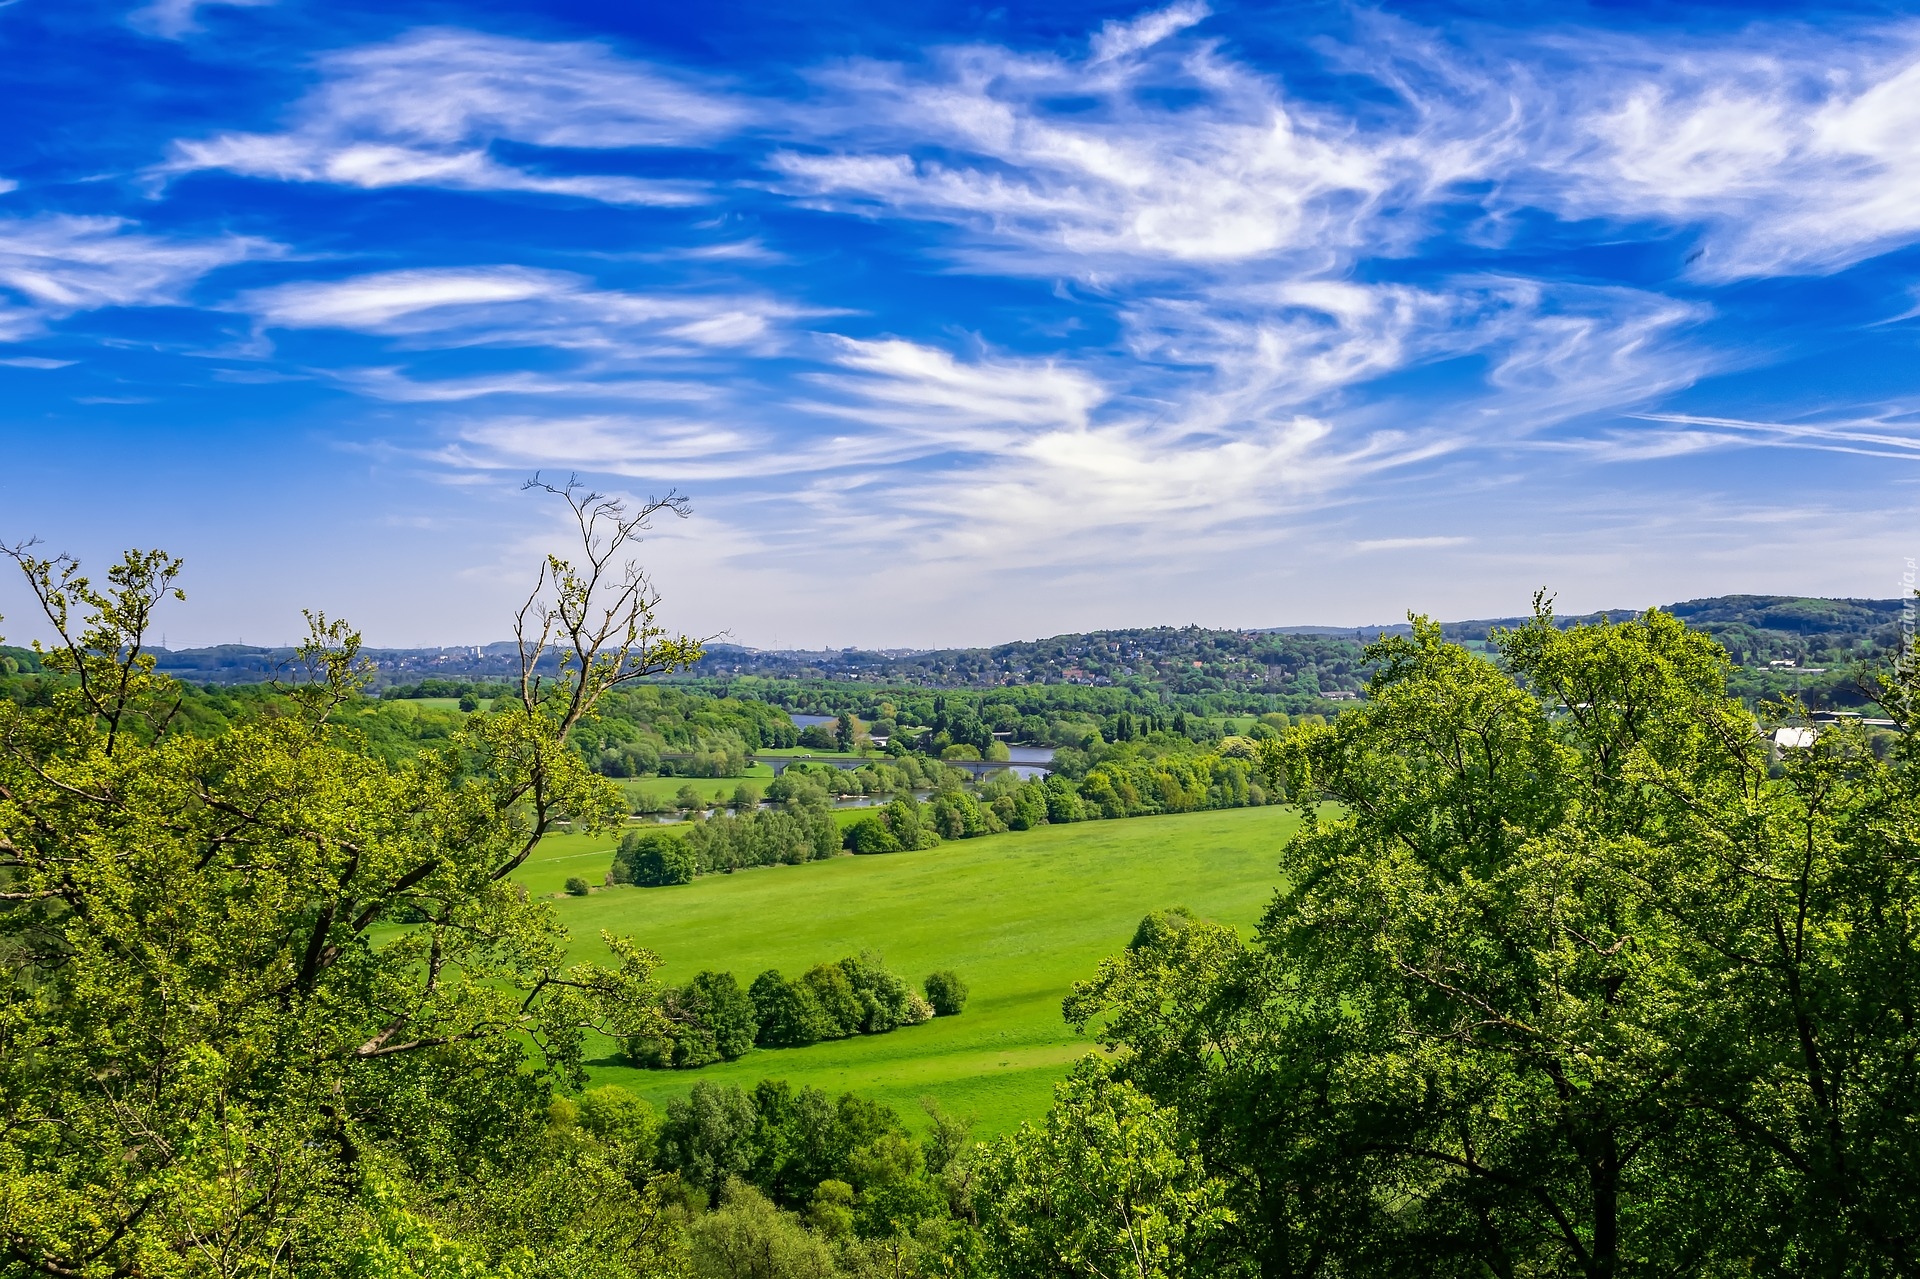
266 994
1572 973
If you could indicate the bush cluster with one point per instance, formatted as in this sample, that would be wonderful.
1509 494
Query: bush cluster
653 859
1128 782
946 993
712 1019
801 828
849 1168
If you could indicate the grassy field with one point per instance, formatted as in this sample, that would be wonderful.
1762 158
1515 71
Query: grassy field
663 789
1020 917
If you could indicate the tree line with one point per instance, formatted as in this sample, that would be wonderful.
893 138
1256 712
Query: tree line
712 1018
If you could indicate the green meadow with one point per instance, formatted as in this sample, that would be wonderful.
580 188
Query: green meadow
663 789
1020 916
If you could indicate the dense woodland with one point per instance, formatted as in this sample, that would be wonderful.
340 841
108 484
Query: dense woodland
1196 669
1571 972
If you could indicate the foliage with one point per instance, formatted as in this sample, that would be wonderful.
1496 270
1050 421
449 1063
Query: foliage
707 1020
867 1188
747 1237
901 825
246 972
1107 1185
800 829
675 732
870 836
1574 977
577 887
653 859
711 1019
946 993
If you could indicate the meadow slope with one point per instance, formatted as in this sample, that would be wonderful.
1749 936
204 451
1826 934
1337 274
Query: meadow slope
1020 916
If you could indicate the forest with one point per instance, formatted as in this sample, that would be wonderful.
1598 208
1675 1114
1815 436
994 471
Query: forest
1569 970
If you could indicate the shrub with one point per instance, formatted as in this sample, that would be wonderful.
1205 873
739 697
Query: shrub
819 737
789 1015
577 887
1161 927
653 858
712 1019
870 835
621 1119
709 1019
747 1237
946 993
881 995
843 1009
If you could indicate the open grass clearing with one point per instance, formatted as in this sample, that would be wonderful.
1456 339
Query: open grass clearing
663 789
1020 916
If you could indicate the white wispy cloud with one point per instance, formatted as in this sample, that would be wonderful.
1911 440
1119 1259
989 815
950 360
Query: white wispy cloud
1117 37
1171 154
1795 150
1282 270
172 19
1890 433
1408 543
395 385
972 404
1792 150
522 306
424 110
57 265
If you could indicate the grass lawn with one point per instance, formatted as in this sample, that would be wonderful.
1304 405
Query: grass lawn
664 789
1020 916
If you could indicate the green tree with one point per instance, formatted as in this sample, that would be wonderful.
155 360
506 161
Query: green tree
885 1000
708 1135
623 1121
946 993
839 1006
747 1237
653 858
722 1010
707 1020
870 835
1570 978
213 1035
788 1014
1106 1186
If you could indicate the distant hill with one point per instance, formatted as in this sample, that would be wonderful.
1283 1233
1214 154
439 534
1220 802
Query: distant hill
1300 664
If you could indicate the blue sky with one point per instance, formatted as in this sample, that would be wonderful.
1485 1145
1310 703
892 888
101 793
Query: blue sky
957 323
